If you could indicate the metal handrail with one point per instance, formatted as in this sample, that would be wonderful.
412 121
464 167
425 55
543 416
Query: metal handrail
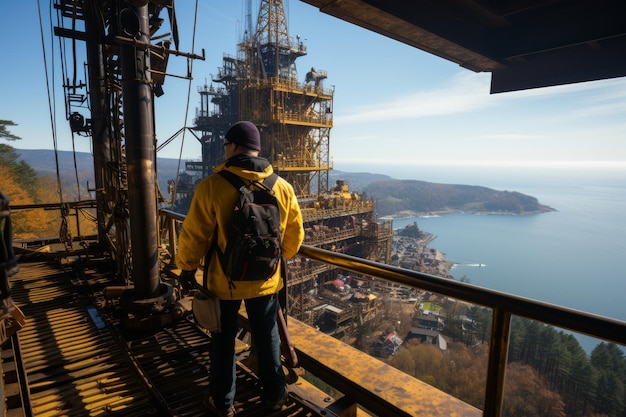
504 306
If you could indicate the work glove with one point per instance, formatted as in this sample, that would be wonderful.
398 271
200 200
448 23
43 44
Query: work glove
187 279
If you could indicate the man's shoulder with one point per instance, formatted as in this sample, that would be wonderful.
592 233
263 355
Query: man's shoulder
284 190
210 183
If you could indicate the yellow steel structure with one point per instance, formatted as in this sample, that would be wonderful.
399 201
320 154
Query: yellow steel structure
295 128
294 117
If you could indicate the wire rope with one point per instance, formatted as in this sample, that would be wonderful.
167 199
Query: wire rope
68 88
73 86
75 166
63 230
88 215
190 66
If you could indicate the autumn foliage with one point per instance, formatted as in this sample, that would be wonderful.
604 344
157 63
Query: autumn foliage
23 186
548 373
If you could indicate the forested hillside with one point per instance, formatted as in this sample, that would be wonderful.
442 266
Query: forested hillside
589 386
77 169
394 196
23 185
391 195
548 373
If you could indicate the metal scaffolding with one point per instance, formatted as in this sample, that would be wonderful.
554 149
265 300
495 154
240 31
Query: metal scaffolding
294 116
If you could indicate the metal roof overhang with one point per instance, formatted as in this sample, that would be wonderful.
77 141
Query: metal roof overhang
523 43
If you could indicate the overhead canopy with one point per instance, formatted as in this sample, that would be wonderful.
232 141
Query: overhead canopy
523 43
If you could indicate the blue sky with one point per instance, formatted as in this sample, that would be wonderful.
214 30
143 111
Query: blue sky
393 104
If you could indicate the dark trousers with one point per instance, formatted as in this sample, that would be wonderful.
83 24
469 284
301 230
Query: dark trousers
262 317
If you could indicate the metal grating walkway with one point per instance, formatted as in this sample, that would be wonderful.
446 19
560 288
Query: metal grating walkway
76 364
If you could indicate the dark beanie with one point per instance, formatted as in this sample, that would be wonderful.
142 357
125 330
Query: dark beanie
244 134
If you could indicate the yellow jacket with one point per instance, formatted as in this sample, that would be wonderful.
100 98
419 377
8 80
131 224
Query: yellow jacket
211 208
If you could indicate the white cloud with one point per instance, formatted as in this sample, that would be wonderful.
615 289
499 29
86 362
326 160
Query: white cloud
464 92
467 92
548 163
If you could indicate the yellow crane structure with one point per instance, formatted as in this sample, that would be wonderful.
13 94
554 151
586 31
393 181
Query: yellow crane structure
295 116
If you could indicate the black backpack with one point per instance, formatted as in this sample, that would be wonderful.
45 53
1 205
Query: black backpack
253 250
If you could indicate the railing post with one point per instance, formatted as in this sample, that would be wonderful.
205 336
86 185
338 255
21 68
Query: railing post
496 370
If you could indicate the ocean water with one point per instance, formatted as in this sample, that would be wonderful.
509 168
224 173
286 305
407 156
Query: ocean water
573 257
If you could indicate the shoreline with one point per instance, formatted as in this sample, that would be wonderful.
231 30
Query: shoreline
423 258
404 214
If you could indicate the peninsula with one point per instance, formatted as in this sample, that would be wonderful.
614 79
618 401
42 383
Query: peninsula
412 197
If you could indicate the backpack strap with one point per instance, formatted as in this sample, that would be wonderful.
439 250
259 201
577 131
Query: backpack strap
270 181
233 179
237 182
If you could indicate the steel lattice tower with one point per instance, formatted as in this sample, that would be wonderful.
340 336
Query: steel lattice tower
261 85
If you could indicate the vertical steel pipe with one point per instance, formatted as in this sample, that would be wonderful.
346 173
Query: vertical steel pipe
140 148
100 112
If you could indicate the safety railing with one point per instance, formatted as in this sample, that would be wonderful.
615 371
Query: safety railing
503 306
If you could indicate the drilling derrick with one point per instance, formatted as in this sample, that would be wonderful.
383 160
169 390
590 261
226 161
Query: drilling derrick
295 123
261 84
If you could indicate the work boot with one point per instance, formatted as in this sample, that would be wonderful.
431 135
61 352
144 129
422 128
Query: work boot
12 269
277 405
209 404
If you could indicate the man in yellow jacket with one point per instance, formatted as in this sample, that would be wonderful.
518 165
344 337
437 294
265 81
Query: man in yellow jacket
209 217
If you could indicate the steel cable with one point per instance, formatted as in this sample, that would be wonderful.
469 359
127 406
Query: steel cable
190 67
